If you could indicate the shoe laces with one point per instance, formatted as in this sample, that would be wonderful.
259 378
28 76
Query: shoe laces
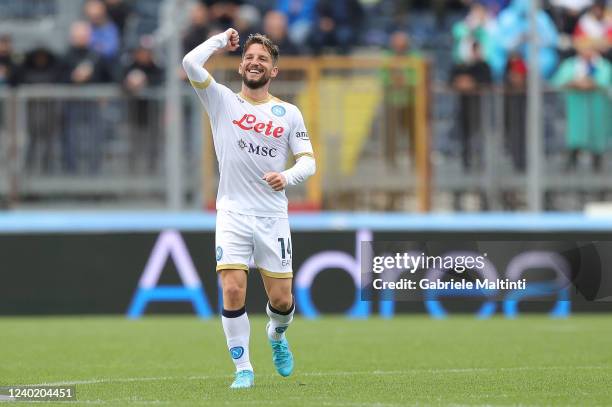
281 351
243 374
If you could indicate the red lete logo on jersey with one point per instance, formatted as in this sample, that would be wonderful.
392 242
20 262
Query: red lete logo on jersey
249 122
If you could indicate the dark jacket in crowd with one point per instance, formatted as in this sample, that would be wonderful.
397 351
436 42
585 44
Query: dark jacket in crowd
119 13
344 13
196 34
76 57
346 16
287 47
8 71
154 74
468 80
227 18
39 66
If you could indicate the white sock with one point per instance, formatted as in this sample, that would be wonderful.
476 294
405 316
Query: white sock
279 322
237 331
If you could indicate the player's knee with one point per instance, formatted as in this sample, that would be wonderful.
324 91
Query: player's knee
281 301
234 293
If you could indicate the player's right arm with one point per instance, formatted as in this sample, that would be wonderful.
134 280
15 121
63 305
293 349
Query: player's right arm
194 61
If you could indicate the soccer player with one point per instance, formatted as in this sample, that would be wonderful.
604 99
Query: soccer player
253 133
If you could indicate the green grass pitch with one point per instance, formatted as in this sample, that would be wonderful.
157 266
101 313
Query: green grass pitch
406 361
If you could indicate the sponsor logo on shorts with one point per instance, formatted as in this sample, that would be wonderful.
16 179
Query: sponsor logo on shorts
219 253
278 110
281 329
263 151
237 352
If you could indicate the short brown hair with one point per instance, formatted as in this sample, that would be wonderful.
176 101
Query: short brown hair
265 42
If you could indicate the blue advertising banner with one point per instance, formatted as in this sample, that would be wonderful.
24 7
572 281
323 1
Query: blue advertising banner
172 271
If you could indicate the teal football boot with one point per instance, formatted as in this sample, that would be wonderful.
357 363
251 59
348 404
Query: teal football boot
243 380
281 356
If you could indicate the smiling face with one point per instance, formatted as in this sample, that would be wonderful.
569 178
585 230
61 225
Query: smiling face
258 66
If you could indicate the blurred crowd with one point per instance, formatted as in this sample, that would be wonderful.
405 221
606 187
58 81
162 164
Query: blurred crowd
498 33
495 32
491 47
488 48
95 53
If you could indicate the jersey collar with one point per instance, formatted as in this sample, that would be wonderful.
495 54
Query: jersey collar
256 102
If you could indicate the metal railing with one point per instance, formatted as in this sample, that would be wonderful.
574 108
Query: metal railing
5 147
378 145
480 149
91 143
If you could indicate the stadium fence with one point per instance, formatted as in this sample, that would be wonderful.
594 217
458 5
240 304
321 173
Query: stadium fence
379 146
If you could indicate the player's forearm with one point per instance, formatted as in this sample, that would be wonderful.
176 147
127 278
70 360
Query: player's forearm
194 61
303 168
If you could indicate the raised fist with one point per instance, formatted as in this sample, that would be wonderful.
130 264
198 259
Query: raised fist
233 39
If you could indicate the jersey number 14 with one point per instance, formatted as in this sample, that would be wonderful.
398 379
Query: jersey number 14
285 248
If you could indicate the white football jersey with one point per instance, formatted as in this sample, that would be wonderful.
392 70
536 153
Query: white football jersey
251 138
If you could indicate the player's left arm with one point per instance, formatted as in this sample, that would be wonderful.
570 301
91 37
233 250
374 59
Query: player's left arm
305 164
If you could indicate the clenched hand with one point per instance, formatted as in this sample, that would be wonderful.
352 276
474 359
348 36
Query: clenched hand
276 180
233 39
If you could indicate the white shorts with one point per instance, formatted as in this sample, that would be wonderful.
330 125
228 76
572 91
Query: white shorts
241 237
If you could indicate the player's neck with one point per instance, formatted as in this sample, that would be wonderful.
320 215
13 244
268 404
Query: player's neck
260 95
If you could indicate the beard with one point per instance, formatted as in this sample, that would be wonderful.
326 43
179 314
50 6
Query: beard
255 83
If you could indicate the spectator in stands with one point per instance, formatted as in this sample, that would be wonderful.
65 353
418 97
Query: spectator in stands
144 112
275 28
567 13
8 77
478 26
83 127
596 27
143 72
515 103
119 12
199 27
301 17
515 117
248 20
8 68
337 25
104 37
470 79
440 10
512 36
40 67
494 7
223 12
586 78
399 97
81 64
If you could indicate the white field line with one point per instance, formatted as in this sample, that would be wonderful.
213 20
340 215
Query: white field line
126 380
229 403
316 374
113 401
282 402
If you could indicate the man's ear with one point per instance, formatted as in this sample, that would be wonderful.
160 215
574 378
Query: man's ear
240 68
274 72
